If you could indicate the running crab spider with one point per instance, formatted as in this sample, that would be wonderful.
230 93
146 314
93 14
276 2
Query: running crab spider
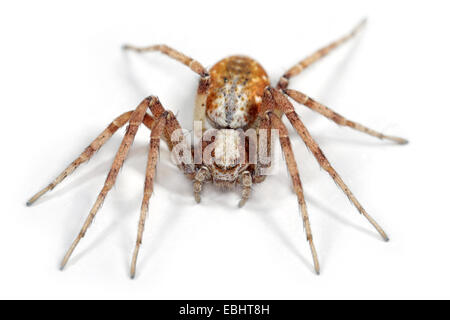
234 94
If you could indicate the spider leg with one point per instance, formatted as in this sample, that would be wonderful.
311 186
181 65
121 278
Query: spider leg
284 104
86 155
164 127
276 123
135 121
174 137
246 184
193 64
337 118
305 63
148 187
148 121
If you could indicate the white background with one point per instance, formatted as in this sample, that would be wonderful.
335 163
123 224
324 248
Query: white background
63 78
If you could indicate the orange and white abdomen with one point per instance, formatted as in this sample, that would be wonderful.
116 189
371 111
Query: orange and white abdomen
234 96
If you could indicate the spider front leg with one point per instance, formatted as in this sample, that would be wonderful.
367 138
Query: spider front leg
136 119
305 63
193 64
283 104
337 118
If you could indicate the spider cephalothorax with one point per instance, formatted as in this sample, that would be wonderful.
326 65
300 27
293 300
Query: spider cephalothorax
227 161
234 95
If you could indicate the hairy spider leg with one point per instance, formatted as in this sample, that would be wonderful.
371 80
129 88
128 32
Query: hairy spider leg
153 154
276 123
194 65
283 104
337 118
305 63
164 127
136 118
86 155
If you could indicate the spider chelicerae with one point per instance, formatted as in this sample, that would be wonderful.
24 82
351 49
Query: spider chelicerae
235 94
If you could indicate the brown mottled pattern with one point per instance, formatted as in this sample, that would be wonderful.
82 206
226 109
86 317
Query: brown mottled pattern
203 85
242 71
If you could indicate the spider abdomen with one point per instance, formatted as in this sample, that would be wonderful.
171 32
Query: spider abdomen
235 93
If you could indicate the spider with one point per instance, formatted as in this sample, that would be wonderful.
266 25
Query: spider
234 94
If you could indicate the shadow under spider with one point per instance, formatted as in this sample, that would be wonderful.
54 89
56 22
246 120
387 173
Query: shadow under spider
272 224
338 217
260 208
99 239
